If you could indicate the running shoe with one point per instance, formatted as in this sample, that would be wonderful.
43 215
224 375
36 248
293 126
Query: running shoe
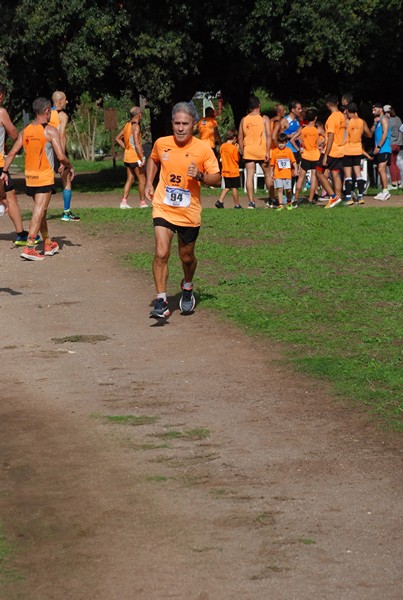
361 201
143 204
289 207
349 202
21 240
236 206
51 249
269 203
383 196
333 202
69 216
124 205
187 301
219 204
252 205
31 254
281 207
160 310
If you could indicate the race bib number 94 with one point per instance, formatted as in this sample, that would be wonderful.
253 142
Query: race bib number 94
177 197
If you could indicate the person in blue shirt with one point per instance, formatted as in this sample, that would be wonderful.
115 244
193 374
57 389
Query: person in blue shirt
383 148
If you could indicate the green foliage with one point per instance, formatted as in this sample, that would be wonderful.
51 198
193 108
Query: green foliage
166 50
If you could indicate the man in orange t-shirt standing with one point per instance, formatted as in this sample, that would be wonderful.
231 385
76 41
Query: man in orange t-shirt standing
255 143
208 130
230 169
332 159
184 163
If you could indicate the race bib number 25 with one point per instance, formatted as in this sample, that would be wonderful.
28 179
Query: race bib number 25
177 197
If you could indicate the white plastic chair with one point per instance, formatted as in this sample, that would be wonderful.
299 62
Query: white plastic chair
258 173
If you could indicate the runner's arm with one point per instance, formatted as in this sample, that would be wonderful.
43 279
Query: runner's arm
213 179
119 139
267 131
329 144
137 142
296 137
367 132
240 137
53 136
152 168
7 124
63 118
10 157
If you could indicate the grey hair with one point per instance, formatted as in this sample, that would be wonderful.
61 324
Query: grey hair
40 105
185 107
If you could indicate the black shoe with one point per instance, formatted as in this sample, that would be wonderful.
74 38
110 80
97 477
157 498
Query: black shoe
219 204
160 310
187 301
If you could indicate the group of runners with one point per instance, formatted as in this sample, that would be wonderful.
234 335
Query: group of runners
280 145
290 147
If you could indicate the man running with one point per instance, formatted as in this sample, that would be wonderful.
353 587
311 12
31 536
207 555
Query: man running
254 141
39 140
383 147
10 201
129 138
184 163
59 119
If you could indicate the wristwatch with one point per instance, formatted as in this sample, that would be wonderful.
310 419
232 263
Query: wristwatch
200 176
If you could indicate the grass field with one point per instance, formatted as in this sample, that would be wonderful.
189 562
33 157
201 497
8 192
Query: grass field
326 285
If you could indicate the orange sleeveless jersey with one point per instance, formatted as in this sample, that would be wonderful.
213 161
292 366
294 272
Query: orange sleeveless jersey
54 118
38 157
355 129
130 155
310 139
254 139
174 161
229 160
336 124
206 128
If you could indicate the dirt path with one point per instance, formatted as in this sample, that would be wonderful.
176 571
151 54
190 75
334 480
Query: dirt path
243 481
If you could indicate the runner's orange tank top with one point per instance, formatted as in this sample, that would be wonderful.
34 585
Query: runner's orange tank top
38 156
254 140
355 130
130 155
54 118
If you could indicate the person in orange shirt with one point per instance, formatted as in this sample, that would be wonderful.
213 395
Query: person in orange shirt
39 140
230 169
283 166
59 119
353 152
208 130
10 201
254 144
129 138
184 163
332 158
310 138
